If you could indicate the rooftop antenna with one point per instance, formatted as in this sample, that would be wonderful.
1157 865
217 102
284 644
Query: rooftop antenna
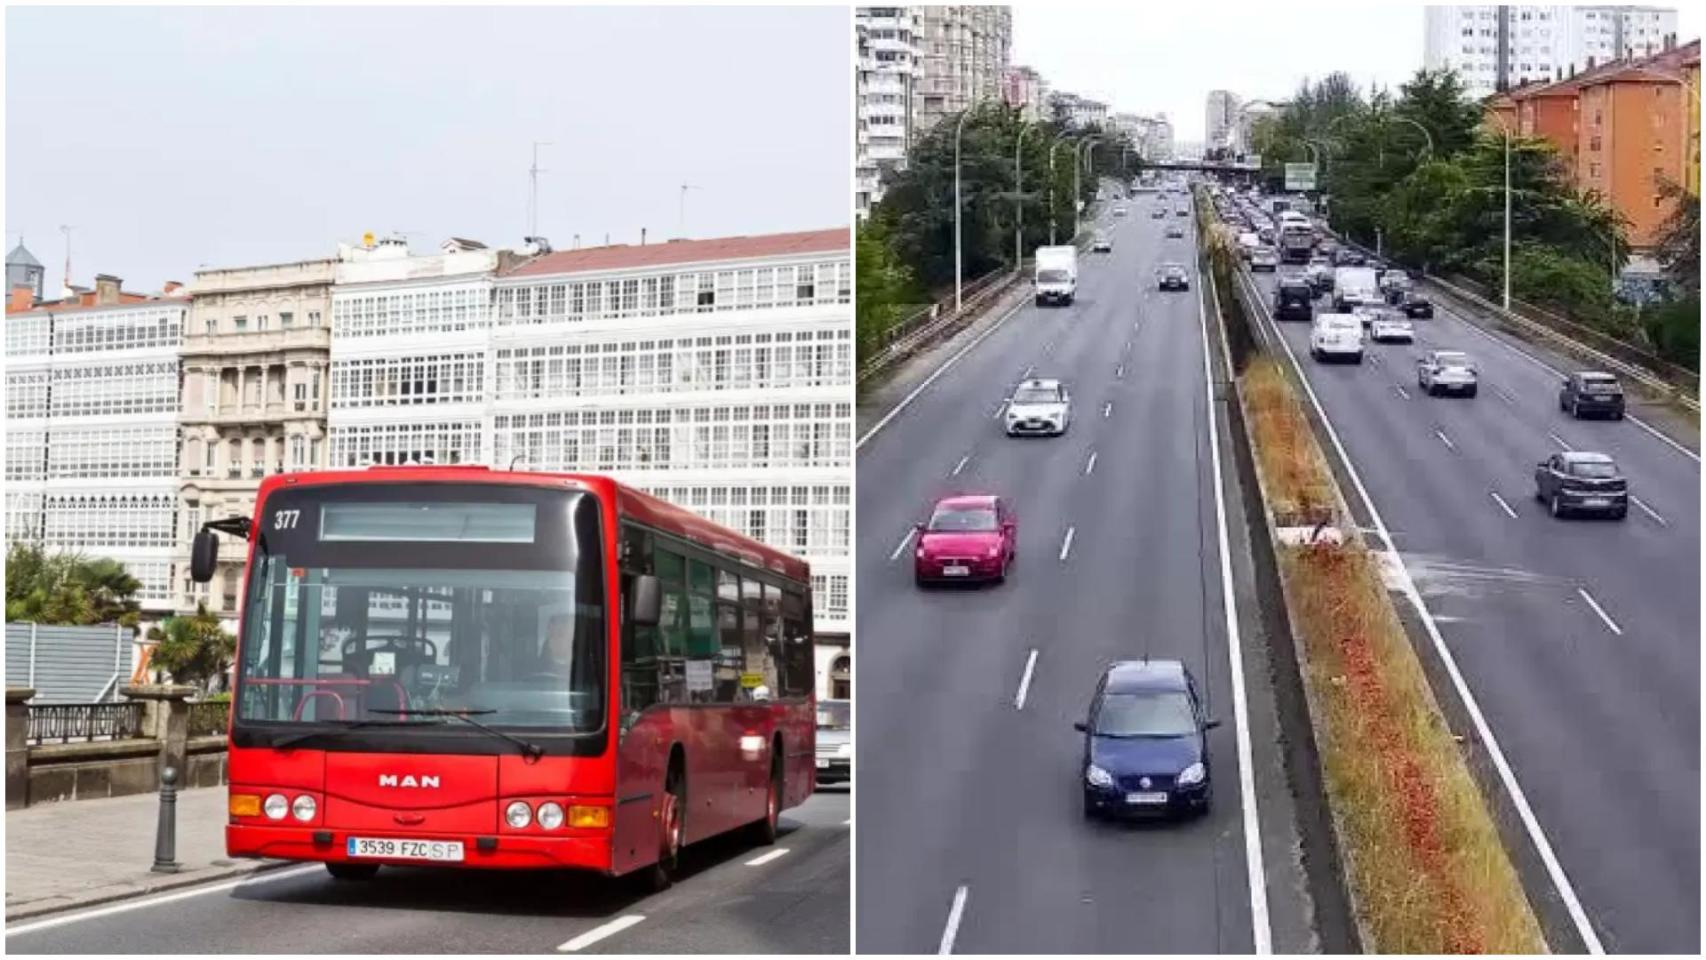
63 228
681 210
533 173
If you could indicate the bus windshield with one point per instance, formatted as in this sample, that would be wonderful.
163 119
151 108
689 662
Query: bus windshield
369 602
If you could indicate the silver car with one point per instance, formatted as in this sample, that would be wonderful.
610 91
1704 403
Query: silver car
1447 371
834 741
1039 408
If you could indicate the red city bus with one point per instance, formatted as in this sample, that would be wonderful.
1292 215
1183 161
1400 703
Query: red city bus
466 667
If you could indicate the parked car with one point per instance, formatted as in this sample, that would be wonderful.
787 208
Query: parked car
1146 742
834 741
970 537
1172 276
1039 406
1294 300
1591 392
1447 371
1580 481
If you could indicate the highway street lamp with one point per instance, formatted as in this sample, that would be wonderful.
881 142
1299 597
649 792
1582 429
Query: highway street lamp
1058 141
1088 144
1025 126
959 128
1506 131
1425 134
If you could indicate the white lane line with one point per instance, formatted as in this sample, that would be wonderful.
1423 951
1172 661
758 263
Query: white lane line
1601 611
952 930
1119 372
1495 753
1090 466
1505 395
1401 391
1048 347
1649 511
1066 545
1502 504
998 408
1107 409
906 401
129 905
960 466
1027 374
760 861
1261 930
1127 347
600 932
1559 441
1445 439
902 547
1025 681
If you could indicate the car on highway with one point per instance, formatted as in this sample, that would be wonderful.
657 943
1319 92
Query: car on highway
834 741
1146 742
1101 244
1391 328
1182 212
1447 371
1264 258
1175 232
1575 481
1417 304
967 538
1346 257
1319 274
1039 407
1119 211
1158 212
1294 299
1247 243
1266 234
1591 392
1336 336
1172 276
1368 313
1393 285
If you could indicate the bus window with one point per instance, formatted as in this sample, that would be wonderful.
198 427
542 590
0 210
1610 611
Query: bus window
798 678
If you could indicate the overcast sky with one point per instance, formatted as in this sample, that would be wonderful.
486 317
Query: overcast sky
1166 57
174 138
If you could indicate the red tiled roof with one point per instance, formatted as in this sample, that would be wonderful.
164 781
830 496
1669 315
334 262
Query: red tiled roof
627 257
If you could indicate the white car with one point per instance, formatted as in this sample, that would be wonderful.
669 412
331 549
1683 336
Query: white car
1101 244
1447 371
1119 211
1391 328
1336 336
1039 407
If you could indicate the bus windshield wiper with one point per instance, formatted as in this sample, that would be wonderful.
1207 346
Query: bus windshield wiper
530 750
345 726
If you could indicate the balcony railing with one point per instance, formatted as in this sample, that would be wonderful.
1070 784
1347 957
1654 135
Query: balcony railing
68 722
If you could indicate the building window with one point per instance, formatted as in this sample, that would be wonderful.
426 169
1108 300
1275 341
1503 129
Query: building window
285 318
241 324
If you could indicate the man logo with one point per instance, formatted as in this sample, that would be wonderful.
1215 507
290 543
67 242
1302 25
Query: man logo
407 780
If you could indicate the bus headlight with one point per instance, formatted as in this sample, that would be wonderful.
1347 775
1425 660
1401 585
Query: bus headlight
550 816
303 808
276 806
518 814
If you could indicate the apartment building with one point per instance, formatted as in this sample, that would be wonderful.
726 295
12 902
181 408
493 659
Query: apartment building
885 74
1498 47
92 427
255 357
1026 90
1220 120
962 55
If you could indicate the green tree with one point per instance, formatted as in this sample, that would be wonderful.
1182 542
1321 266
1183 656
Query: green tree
884 285
194 649
1678 246
1436 100
67 589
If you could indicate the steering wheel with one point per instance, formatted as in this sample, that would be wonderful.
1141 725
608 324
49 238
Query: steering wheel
393 642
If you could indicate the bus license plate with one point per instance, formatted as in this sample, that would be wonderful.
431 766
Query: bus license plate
1146 798
955 571
439 850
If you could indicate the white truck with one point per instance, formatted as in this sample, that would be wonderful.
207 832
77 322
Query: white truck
1056 277
1355 286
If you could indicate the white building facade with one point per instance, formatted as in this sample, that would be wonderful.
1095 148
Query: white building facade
885 73
1220 120
92 432
1495 47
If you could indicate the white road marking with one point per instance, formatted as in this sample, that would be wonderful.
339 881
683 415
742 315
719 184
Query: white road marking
1502 504
1256 877
1505 395
1119 372
1401 391
1090 466
960 466
1066 545
1048 347
1601 611
1025 681
600 932
1000 407
1560 441
902 547
1126 348
907 400
760 861
1445 439
1649 511
129 905
1107 409
1495 753
952 930
1027 374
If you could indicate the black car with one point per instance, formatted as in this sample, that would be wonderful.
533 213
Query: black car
1580 481
1417 304
1173 277
1146 742
1294 300
1346 257
1590 392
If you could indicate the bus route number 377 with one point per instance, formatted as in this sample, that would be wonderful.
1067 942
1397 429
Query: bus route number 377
391 849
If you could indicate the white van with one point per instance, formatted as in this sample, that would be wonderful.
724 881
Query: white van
1336 336
1056 277
1355 286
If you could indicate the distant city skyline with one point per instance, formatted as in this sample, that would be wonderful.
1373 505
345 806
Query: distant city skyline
321 126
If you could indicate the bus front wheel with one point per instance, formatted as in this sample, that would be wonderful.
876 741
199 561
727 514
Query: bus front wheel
671 828
764 831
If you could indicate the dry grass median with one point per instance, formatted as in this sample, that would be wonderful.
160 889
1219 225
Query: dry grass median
1298 487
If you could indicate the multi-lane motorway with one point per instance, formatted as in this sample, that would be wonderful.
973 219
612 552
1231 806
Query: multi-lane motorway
1579 639
733 899
972 837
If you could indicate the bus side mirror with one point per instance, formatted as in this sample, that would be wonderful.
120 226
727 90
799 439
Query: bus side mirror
648 600
204 555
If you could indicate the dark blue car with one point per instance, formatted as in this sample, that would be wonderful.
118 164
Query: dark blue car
1146 742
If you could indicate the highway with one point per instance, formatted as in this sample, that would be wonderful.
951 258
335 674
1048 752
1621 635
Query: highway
1579 638
733 898
972 834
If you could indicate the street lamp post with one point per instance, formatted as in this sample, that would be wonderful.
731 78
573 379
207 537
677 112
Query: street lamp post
1025 127
959 128
1506 131
1088 145
1426 136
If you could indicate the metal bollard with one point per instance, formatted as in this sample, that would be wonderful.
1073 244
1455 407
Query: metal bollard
166 834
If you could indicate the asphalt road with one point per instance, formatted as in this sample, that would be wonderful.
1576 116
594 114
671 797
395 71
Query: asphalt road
1579 638
726 902
972 832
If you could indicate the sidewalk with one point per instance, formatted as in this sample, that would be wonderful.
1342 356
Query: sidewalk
77 853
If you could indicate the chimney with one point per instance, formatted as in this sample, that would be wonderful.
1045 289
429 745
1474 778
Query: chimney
23 298
642 236
107 288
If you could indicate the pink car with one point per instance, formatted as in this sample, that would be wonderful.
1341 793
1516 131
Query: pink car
967 538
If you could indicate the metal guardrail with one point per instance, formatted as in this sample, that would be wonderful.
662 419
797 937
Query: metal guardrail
903 339
209 718
67 722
